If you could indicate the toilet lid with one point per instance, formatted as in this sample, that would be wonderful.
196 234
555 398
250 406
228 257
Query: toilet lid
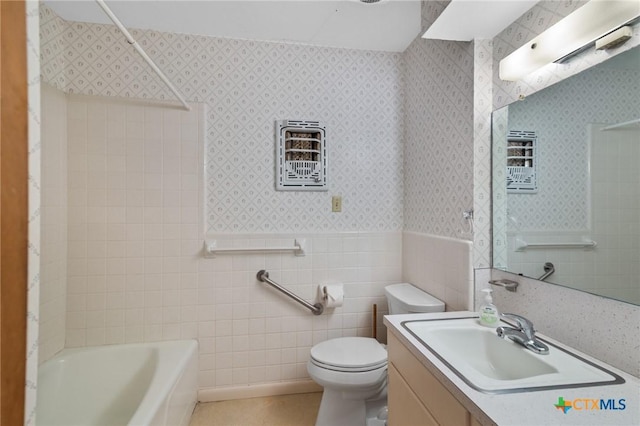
350 353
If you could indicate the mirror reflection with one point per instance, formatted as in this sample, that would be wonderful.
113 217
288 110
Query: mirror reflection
566 167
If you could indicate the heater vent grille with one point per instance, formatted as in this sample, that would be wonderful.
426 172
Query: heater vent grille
522 161
301 156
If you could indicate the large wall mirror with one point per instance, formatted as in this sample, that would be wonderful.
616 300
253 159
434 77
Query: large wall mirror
566 181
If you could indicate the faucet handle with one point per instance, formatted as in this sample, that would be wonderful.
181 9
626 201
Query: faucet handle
524 324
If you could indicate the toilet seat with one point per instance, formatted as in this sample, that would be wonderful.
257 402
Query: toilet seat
349 354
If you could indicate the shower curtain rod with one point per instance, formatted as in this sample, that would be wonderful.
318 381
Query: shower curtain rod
142 53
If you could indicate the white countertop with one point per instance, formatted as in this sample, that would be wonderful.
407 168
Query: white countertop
525 408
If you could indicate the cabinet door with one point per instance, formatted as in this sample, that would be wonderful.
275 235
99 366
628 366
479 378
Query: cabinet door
405 409
442 405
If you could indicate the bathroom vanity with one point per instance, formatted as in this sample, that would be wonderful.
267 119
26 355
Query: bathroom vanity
430 386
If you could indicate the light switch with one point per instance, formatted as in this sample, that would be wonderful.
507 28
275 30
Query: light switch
336 203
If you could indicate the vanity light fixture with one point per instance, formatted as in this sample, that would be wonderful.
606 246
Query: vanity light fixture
570 35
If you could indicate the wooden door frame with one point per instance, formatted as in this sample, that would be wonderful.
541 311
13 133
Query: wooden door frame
13 210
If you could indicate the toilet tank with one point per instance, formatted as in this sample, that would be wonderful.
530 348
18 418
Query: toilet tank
404 298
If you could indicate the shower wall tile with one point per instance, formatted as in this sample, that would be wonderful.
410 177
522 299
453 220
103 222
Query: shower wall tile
615 156
134 218
53 222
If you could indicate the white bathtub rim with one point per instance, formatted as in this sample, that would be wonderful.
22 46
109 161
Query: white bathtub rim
174 363
172 370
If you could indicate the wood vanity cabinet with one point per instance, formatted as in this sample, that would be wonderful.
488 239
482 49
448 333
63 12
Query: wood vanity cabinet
416 397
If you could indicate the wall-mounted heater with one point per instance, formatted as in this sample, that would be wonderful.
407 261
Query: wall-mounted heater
301 156
522 161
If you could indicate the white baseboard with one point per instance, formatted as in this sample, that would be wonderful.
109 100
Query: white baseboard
254 391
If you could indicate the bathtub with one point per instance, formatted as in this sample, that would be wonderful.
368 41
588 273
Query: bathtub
132 384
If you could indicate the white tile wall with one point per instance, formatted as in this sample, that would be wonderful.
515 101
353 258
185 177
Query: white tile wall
615 198
440 266
136 270
53 222
135 174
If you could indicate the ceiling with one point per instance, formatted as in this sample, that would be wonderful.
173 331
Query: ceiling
464 20
390 25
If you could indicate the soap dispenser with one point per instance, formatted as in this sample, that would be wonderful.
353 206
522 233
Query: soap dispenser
489 315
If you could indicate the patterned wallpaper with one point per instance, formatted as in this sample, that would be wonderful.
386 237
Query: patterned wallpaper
247 85
482 105
499 200
33 290
52 48
438 166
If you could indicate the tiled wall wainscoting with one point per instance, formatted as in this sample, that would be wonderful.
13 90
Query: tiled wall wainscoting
136 267
440 266
53 223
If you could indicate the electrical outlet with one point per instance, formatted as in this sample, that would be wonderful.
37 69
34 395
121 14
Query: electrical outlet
336 203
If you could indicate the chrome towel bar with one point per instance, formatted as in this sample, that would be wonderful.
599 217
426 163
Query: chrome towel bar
263 276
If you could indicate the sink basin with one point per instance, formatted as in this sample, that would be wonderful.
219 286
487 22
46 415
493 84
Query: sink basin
490 364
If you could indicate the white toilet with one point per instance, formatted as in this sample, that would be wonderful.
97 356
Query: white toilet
353 370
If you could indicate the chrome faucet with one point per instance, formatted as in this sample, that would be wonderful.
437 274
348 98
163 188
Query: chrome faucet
524 334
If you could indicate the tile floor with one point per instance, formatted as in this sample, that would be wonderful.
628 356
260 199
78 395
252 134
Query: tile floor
283 410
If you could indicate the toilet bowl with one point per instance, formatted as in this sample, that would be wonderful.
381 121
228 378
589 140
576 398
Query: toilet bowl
353 370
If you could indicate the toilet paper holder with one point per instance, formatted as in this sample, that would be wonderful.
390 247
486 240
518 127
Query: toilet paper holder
331 295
